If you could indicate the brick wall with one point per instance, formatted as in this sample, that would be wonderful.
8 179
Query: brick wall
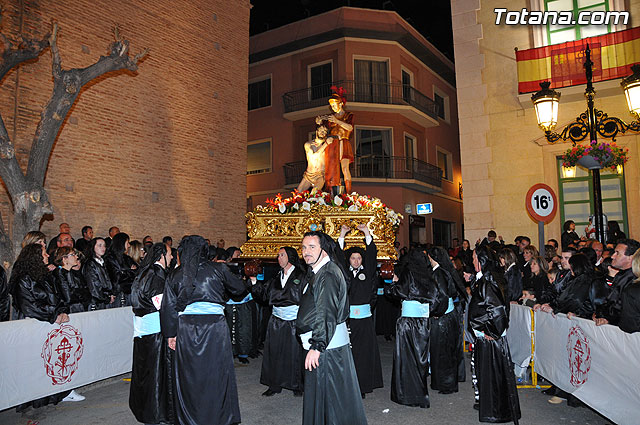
177 129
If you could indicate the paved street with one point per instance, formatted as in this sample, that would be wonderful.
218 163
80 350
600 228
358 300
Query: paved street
107 403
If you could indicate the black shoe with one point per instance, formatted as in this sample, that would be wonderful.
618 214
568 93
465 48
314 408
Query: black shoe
269 392
476 406
243 360
363 395
549 391
297 393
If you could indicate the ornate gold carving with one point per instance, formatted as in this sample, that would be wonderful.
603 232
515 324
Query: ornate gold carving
268 231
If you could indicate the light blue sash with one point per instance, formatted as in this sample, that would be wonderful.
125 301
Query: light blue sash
288 313
244 300
361 311
480 334
203 307
450 308
148 324
340 338
380 291
412 308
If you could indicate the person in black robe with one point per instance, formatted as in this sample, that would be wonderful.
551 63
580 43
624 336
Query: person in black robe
35 295
569 235
150 393
331 391
417 290
5 300
491 365
630 307
362 299
445 335
73 289
512 274
282 357
622 259
192 318
121 268
584 293
95 275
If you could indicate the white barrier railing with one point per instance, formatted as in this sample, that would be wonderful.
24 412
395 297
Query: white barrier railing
597 364
40 359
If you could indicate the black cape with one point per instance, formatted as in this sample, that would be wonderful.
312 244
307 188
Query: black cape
282 361
364 345
445 338
331 391
411 353
150 391
206 391
488 313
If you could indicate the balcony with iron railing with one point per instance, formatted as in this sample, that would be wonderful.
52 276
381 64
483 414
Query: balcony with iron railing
407 171
363 96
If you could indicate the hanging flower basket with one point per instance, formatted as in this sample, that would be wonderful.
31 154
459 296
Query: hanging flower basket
595 156
590 162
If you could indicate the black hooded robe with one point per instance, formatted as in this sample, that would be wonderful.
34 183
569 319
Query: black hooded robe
331 391
364 344
411 354
150 395
204 376
496 385
445 337
282 361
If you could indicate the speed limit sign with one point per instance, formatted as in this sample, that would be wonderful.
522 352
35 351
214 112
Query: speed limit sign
541 203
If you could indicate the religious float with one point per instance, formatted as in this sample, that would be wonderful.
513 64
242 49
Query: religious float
284 221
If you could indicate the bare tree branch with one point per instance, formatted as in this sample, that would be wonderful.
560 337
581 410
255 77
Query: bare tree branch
14 56
67 86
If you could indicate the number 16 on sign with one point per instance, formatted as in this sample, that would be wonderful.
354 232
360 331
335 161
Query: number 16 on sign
542 204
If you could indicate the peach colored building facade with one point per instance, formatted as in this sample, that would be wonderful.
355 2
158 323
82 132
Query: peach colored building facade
401 90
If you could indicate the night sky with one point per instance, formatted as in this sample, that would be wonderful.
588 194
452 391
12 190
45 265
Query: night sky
434 25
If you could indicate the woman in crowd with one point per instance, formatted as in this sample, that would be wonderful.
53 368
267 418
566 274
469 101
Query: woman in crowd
35 296
512 275
121 268
583 293
538 281
282 362
192 317
96 276
445 336
417 290
136 252
569 235
630 312
150 395
491 365
615 233
74 290
466 255
34 237
528 253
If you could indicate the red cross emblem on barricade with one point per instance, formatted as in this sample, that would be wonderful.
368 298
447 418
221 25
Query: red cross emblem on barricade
61 352
579 356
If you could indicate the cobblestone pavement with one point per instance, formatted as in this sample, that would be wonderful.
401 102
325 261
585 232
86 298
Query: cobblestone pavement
107 403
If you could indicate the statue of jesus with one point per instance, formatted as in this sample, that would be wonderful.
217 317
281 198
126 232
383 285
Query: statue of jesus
314 176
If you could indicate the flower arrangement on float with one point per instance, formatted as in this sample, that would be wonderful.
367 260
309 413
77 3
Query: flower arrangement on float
596 155
304 201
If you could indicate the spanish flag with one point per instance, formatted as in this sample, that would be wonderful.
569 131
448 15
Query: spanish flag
562 64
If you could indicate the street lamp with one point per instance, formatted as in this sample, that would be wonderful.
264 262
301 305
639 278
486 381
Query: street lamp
631 87
590 123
